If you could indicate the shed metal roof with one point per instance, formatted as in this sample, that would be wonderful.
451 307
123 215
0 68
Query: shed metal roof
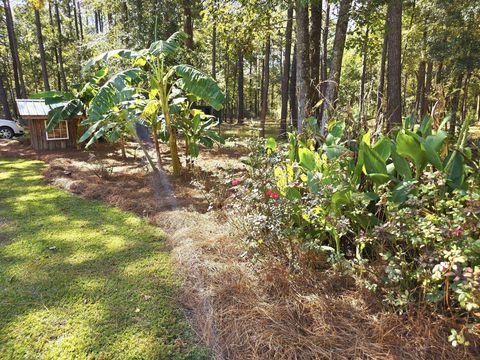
34 107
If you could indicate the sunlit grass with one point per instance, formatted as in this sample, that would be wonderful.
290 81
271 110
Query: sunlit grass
81 280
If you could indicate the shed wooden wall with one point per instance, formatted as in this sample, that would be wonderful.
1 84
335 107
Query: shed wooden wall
39 138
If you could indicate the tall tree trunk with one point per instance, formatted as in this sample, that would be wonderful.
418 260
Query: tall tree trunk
266 81
63 78
20 90
75 15
315 51
303 63
420 87
465 96
427 91
381 76
286 71
80 21
214 46
394 70
293 89
188 23
364 76
478 108
41 50
455 103
333 83
241 96
4 99
324 72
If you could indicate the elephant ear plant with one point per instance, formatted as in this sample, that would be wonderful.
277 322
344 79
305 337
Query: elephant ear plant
145 93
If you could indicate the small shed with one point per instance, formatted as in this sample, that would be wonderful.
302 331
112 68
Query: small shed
35 112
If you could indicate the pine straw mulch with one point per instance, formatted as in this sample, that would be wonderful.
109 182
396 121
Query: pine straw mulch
241 310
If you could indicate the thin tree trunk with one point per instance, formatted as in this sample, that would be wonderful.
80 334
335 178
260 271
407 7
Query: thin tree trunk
315 51
188 23
214 46
4 99
455 103
20 90
333 83
286 71
465 96
394 71
293 89
381 76
80 21
420 87
303 63
266 80
427 91
364 75
478 108
324 72
41 50
250 89
241 96
75 15
63 78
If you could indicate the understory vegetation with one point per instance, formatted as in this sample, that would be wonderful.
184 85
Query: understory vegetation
398 212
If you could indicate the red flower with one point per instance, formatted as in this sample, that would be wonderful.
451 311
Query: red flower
458 232
272 194
235 182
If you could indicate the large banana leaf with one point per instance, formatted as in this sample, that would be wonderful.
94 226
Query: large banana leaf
201 85
66 111
115 90
169 46
106 56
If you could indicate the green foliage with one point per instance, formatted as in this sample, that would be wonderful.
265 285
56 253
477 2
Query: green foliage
411 239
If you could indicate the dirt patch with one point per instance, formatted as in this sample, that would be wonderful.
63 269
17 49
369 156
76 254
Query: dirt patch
241 310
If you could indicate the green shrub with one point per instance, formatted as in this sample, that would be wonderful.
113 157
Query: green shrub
400 214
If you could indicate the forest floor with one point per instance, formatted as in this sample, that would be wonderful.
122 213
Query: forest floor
239 309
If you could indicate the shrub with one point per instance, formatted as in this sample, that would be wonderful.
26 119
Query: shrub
400 215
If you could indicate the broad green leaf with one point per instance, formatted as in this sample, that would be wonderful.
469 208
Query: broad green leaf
379 179
306 159
401 165
374 164
455 170
200 85
409 147
106 56
292 193
194 150
426 126
169 46
333 151
436 141
89 131
383 148
112 92
271 144
67 111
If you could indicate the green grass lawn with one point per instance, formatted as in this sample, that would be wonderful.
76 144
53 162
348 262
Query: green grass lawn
81 280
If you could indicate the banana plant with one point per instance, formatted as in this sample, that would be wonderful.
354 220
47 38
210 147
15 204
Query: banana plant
197 129
144 91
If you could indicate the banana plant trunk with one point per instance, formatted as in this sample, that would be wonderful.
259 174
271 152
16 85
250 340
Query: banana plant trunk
172 138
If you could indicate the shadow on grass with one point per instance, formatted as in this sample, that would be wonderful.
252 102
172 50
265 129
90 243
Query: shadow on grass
80 280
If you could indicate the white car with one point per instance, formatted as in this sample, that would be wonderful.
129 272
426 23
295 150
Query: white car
10 128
